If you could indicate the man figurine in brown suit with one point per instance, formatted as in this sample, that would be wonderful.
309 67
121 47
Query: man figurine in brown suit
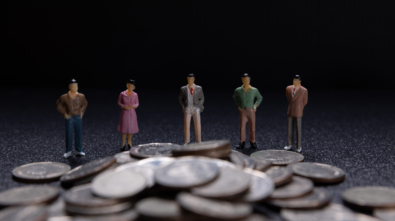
72 106
297 98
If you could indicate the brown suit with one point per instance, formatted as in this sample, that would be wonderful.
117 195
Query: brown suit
295 113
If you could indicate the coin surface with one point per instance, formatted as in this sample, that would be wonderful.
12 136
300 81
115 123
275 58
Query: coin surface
248 161
223 163
230 183
317 172
215 209
153 163
28 195
24 213
261 186
257 217
153 150
127 215
263 165
318 198
332 212
118 184
82 196
187 173
40 171
279 175
278 157
124 157
297 187
370 197
87 170
99 210
217 148
158 208
236 158
384 214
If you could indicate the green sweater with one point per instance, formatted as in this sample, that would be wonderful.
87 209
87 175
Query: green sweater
244 100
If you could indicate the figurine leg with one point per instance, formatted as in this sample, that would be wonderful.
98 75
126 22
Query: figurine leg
69 133
251 124
196 122
187 125
242 121
78 132
299 132
130 139
290 132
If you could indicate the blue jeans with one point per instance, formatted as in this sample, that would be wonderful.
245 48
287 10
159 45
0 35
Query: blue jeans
74 123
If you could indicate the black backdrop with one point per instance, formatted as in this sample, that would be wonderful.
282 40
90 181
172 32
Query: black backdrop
331 44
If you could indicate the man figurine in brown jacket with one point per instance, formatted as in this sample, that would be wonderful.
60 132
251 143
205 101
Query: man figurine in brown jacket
297 98
72 106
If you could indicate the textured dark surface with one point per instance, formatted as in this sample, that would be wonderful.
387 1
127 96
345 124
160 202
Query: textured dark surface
353 130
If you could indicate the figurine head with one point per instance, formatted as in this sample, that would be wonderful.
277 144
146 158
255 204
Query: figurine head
130 85
191 79
297 81
73 85
245 78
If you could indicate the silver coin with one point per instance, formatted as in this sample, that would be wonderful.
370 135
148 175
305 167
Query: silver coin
261 186
118 185
128 215
153 163
257 217
99 210
230 183
153 150
87 170
214 209
60 218
279 175
157 208
236 158
248 161
57 208
317 172
223 163
187 172
214 148
316 199
297 187
147 172
370 197
278 157
24 213
384 214
124 157
28 195
82 196
263 165
332 212
40 171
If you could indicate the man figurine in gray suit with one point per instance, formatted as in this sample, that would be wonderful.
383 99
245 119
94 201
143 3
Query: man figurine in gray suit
191 99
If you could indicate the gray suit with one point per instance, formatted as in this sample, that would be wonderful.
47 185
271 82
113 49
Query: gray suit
193 110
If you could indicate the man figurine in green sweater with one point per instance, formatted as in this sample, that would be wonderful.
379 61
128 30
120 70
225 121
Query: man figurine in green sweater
244 97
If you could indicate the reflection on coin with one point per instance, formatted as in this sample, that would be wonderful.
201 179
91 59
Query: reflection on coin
248 161
153 163
99 210
384 214
24 213
223 163
370 197
279 175
41 171
118 185
215 209
87 170
230 183
332 212
297 187
28 195
157 208
153 150
61 218
257 217
124 157
278 157
128 215
215 148
263 165
236 158
317 172
186 173
82 196
57 208
261 186
316 199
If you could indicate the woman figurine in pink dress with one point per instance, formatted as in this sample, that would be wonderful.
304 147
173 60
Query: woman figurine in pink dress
128 101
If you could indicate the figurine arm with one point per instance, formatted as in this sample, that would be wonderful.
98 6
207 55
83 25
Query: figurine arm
202 98
288 95
235 99
259 98
136 103
180 99
59 107
305 99
120 103
84 105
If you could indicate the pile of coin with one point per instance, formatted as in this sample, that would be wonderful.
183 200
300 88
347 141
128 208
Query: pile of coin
203 181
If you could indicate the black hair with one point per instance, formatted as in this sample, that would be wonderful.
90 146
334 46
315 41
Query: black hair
297 77
72 81
130 81
245 75
191 75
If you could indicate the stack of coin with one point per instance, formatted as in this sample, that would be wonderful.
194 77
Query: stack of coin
153 150
40 172
370 197
213 149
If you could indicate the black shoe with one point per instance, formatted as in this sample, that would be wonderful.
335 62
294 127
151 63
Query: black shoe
241 145
128 147
123 148
253 145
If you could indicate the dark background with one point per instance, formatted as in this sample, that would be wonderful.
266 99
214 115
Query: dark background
331 44
344 51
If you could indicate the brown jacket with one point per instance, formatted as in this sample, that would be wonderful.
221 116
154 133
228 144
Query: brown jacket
72 107
296 103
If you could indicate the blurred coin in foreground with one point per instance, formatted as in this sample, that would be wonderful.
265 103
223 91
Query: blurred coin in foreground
317 172
297 187
104 210
154 208
278 157
127 215
370 197
214 149
248 161
316 199
28 195
385 214
24 213
41 171
153 150
261 186
279 175
82 196
124 157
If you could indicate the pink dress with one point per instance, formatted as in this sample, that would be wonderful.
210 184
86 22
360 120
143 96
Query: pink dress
128 121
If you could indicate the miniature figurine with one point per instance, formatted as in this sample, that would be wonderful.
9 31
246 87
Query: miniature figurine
128 101
297 98
191 99
244 97
72 106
